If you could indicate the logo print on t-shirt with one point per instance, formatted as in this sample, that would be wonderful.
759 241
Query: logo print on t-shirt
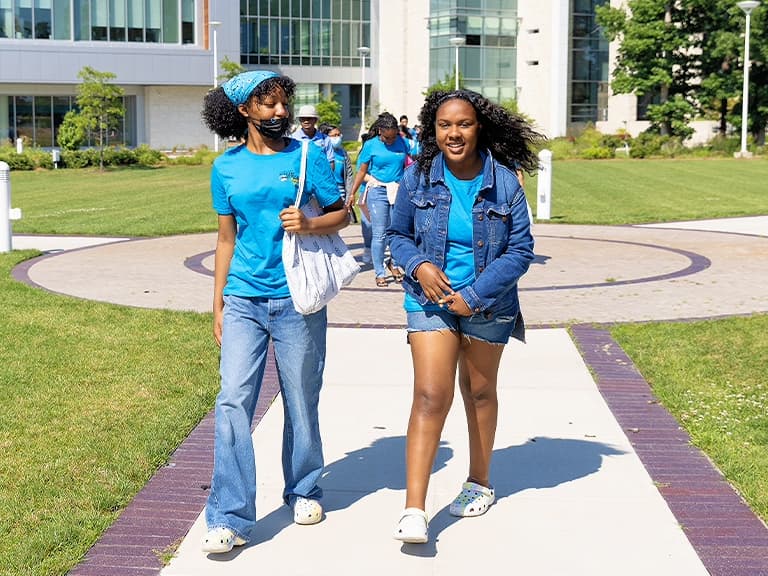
289 176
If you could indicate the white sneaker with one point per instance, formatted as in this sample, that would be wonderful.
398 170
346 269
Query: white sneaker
367 256
221 540
413 527
306 511
473 500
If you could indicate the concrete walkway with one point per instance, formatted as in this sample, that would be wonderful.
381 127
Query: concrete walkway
593 477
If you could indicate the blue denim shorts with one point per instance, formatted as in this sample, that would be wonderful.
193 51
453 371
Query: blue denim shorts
495 330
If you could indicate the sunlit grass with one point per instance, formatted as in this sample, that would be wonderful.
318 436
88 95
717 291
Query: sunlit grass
712 376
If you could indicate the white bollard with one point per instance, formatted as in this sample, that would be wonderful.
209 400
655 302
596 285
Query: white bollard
19 146
544 192
6 213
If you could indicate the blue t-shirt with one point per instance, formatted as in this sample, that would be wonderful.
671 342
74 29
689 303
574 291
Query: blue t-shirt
320 139
459 253
385 162
339 168
255 188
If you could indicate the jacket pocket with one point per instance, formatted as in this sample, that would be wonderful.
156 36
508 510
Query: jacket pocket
424 211
498 221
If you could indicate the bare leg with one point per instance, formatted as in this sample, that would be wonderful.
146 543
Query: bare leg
478 371
435 355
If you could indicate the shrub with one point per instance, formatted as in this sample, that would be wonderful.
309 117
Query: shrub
72 132
40 158
562 148
146 156
597 153
74 158
119 157
16 161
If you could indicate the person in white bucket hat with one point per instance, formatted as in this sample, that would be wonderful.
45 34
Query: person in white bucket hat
307 130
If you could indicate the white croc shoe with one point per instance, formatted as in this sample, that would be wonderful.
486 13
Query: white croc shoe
221 540
473 500
306 511
413 527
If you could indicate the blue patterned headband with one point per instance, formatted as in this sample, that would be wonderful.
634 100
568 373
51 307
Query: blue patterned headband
239 88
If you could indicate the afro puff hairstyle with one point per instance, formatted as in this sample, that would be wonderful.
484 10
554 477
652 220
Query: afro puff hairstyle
508 136
221 116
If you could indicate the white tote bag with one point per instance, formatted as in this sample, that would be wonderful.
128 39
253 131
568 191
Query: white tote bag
316 265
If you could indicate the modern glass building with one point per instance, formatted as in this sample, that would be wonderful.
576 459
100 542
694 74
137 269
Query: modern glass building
488 55
548 55
589 77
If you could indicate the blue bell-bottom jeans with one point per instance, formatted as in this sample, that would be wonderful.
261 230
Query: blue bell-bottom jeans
381 216
299 343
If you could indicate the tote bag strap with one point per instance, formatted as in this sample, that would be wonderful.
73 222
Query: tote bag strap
302 171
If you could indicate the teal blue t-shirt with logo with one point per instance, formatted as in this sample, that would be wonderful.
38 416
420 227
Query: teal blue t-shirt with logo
459 254
255 188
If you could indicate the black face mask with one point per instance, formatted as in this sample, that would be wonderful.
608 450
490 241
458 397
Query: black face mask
273 129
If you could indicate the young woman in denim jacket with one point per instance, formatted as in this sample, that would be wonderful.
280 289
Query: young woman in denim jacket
461 229
253 187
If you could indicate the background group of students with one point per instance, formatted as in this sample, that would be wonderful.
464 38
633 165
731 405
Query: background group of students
388 147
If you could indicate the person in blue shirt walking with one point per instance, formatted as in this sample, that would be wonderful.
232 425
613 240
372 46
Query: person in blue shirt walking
461 230
381 163
254 186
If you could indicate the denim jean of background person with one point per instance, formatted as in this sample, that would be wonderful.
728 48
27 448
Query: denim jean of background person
254 186
382 158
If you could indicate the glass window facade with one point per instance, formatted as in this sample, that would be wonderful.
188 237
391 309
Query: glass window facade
165 21
589 64
304 32
37 119
488 60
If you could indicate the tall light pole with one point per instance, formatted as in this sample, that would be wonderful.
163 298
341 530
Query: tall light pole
747 6
364 51
214 24
457 41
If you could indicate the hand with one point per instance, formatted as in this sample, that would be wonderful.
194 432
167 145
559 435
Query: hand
457 305
293 220
434 282
350 201
218 322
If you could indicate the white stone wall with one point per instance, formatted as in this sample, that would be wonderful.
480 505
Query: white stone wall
542 63
173 117
400 57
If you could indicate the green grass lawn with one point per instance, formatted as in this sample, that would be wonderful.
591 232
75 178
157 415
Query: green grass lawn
176 199
120 202
712 376
639 191
95 397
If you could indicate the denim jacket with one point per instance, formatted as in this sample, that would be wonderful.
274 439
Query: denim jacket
503 244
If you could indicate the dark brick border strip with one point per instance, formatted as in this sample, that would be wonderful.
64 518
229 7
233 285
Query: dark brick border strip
162 513
728 537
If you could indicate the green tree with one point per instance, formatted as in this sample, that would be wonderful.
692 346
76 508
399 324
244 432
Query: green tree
230 70
329 110
100 105
689 54
73 131
447 84
719 29
653 55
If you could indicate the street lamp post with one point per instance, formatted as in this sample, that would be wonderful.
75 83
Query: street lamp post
457 41
214 24
364 51
747 6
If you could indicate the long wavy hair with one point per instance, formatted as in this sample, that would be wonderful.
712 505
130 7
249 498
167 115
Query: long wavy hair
511 140
222 116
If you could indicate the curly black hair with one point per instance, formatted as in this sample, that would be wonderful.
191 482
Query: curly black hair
222 116
508 136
